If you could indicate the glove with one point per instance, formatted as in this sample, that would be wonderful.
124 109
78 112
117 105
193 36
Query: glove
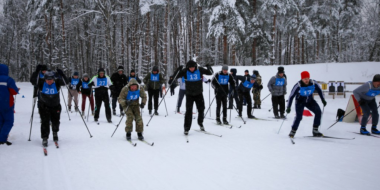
60 72
129 102
209 68
261 87
180 67
38 68
208 80
324 103
362 102
142 105
288 110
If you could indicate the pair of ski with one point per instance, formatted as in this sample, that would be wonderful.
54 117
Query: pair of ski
204 132
255 118
371 135
45 148
326 137
144 141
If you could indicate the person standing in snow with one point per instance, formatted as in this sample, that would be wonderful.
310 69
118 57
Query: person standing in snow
232 92
366 96
8 89
129 100
257 91
101 84
84 89
119 80
277 87
50 109
247 82
73 93
303 92
220 84
194 88
172 84
154 81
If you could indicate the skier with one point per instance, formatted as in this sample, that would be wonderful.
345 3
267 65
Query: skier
154 81
73 93
257 91
366 96
194 88
277 87
35 78
84 89
8 89
132 75
181 93
101 83
50 108
129 100
247 76
172 84
119 80
232 92
220 84
247 82
303 92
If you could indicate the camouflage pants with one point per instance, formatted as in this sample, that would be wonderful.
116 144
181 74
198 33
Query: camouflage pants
133 113
256 97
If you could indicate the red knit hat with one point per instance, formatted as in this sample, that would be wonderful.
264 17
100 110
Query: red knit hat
305 74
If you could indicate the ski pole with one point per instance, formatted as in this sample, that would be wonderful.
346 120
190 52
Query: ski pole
265 97
210 105
31 118
65 101
343 117
117 126
167 114
282 123
89 103
78 109
209 91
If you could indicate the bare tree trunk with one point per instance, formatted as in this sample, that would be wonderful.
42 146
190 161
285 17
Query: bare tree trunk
198 46
303 49
273 35
279 48
225 50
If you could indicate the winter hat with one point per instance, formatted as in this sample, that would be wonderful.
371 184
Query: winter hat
155 68
132 70
225 67
120 68
376 78
246 71
256 72
305 74
76 73
49 75
280 70
101 70
253 77
85 75
43 68
191 63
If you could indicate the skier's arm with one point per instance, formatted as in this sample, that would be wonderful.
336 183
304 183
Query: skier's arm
293 93
123 97
143 95
319 90
361 90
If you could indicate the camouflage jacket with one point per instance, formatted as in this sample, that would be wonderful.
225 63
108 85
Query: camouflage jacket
124 92
258 81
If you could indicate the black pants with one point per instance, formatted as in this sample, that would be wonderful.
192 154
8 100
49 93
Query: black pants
153 94
114 100
49 114
99 98
366 108
200 103
276 102
172 91
247 97
219 101
231 99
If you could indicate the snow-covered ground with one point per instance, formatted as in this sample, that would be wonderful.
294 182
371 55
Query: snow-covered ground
251 157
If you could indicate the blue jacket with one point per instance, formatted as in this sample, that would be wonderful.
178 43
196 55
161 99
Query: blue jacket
8 88
295 93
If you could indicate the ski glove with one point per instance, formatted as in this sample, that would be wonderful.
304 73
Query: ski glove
261 87
324 103
129 102
288 110
142 105
60 72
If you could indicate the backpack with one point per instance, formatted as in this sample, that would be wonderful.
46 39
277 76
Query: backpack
339 114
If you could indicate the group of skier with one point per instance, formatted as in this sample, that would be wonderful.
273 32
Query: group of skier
127 91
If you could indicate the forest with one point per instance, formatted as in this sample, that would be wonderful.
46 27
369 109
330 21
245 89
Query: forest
86 35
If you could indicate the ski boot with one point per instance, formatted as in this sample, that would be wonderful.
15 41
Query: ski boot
364 131
155 112
44 142
140 136
186 132
128 136
292 133
69 108
225 122
109 120
83 115
7 143
201 127
114 112
251 117
121 113
76 109
316 133
255 107
150 112
96 119
282 116
259 106
375 131
55 136
218 122
276 117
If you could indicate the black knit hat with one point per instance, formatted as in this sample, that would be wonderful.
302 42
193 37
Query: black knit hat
376 78
280 69
101 70
256 72
76 73
155 68
43 68
191 63
246 71
120 68
132 70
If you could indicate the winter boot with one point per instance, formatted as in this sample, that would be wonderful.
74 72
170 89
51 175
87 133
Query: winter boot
255 107
114 112
225 122
55 136
251 117
76 109
282 116
129 136
92 113
178 110
140 136
201 127
276 117
150 112
8 143
83 115
44 142
292 133
96 119
186 132
155 112
109 120
375 131
218 122
364 131
69 108
316 133
259 106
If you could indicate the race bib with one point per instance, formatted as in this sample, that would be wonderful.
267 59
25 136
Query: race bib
223 79
133 95
49 89
192 77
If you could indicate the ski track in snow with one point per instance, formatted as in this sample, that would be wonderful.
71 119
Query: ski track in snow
251 157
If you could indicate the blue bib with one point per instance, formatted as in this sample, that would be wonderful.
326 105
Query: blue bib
248 84
373 93
307 91
102 81
42 76
131 78
85 85
154 77
49 89
74 82
193 77
133 95
223 79
183 79
280 82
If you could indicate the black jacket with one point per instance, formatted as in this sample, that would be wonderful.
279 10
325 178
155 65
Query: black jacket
118 82
243 79
194 88
222 90
85 91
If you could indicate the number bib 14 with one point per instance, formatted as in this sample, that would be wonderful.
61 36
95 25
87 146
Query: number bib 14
133 95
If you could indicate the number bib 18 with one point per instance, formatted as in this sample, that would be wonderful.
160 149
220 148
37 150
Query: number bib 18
133 95
49 89
193 76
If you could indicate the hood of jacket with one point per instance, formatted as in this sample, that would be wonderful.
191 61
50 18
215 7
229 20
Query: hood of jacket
4 70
